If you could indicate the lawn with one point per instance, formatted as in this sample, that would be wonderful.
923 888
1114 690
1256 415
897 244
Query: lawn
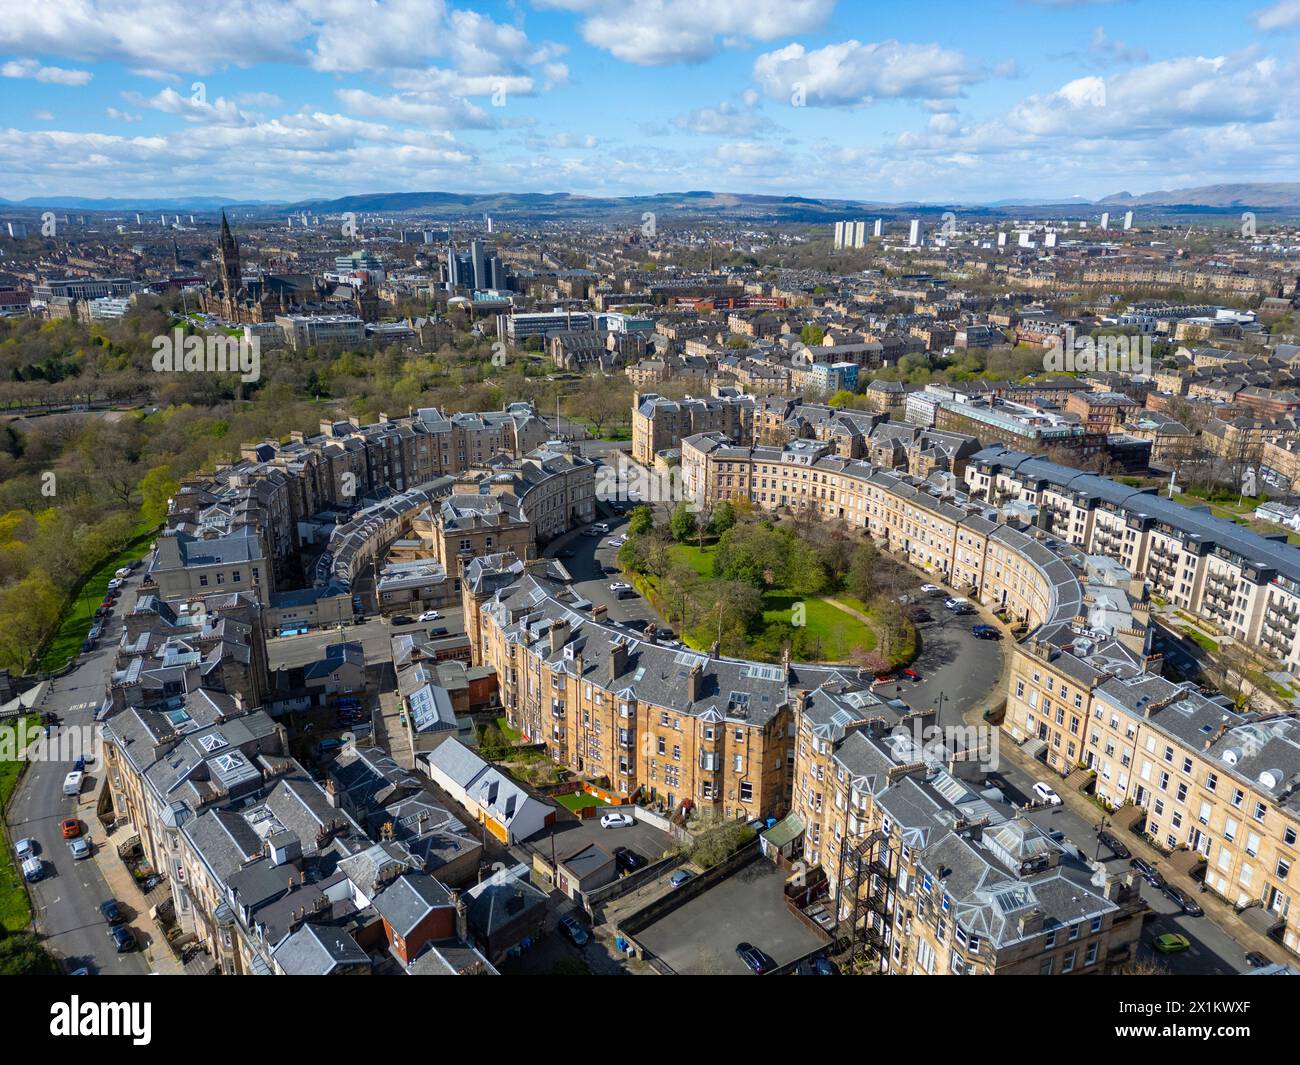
15 914
509 732
579 800
838 633
74 626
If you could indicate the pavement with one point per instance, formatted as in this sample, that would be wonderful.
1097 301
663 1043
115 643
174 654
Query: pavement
66 902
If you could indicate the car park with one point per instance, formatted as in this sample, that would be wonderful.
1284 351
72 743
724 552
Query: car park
1183 901
755 960
615 820
111 912
1044 793
1171 943
1116 847
80 848
573 929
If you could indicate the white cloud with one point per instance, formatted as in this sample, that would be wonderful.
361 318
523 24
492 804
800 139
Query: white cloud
661 32
195 107
724 120
852 73
122 116
30 68
1283 15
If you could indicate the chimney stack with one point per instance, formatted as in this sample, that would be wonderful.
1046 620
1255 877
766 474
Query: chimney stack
617 661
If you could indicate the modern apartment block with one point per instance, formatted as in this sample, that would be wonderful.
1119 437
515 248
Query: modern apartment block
1245 584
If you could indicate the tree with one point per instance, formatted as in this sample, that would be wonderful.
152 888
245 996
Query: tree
21 954
156 488
724 517
640 520
682 524
812 335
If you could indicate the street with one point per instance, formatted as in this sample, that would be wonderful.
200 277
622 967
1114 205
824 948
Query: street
66 902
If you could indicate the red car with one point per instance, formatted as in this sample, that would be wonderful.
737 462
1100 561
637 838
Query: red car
70 827
884 676
912 675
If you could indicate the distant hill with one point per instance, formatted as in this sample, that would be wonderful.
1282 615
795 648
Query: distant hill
88 203
1275 194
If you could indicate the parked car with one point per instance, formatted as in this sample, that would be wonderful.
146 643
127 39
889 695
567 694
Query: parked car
87 645
615 820
70 827
430 615
955 601
1044 793
25 848
403 619
912 675
600 527
33 870
1116 847
680 877
919 613
629 861
96 630
1148 872
755 960
931 589
985 632
1183 901
80 764
438 631
572 928
80 848
111 911
1171 943
116 583
618 541
125 571
123 938
1256 960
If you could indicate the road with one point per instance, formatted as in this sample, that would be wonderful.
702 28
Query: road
67 899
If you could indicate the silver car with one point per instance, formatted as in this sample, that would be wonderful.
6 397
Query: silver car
80 848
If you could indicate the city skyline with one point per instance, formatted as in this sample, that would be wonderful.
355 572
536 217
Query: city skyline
1035 99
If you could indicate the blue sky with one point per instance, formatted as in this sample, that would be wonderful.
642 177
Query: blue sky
950 102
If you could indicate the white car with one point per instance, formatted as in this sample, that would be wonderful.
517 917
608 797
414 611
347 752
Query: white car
618 541
931 589
1045 794
430 615
620 586
615 820
124 572
600 527
116 583
80 848
24 848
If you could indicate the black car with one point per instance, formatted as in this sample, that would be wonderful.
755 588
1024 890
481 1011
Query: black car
440 630
402 619
122 938
985 632
573 929
919 613
628 861
112 912
1183 900
1148 872
755 960
1256 960
1116 847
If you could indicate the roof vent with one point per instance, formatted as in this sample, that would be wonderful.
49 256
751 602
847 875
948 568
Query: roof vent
1231 756
1271 779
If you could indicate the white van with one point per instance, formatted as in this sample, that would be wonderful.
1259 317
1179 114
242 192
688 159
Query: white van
72 784
33 870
